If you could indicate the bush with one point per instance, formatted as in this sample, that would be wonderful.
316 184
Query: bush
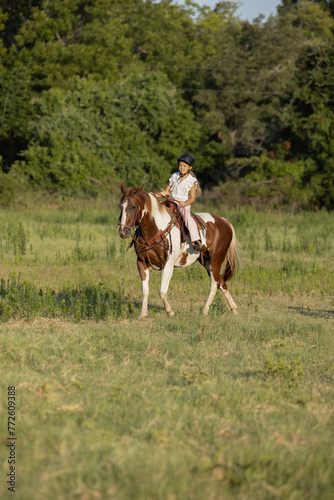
7 189
23 300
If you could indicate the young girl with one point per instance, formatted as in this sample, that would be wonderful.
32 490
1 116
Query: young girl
182 188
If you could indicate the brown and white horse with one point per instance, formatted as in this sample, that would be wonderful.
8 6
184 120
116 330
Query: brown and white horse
158 243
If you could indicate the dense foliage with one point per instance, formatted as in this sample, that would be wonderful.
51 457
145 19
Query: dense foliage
101 91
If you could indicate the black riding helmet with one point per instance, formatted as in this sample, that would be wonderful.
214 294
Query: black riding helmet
187 158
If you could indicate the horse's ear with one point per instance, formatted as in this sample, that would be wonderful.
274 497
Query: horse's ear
123 189
139 190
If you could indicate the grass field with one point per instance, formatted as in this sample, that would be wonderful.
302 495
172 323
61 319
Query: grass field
218 407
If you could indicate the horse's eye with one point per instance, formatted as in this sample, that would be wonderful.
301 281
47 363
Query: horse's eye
133 208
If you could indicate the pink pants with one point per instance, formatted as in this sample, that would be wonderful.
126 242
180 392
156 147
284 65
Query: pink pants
189 222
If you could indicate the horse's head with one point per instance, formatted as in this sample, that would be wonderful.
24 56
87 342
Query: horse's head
131 209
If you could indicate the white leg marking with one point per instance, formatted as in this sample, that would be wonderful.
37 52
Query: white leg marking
213 291
145 290
229 299
167 273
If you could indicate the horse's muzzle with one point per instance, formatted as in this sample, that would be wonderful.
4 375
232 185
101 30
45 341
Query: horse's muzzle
124 232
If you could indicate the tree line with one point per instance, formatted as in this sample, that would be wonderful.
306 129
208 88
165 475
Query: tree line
93 92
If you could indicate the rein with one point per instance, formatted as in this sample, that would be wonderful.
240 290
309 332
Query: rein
157 240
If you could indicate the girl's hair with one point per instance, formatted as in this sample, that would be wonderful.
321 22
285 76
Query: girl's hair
198 187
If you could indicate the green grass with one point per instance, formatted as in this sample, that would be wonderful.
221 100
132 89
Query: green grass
109 407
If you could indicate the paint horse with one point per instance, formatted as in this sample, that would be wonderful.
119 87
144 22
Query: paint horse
157 242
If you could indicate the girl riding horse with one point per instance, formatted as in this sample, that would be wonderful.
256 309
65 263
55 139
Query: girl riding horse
182 188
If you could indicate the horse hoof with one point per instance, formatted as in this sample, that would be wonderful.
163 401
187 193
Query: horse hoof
142 316
170 314
234 311
205 312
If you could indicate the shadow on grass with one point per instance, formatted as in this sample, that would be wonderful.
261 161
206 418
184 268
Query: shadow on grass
247 374
151 308
315 313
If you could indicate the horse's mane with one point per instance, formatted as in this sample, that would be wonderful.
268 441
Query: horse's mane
148 201
160 206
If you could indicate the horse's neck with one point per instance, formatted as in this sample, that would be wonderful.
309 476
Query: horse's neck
155 219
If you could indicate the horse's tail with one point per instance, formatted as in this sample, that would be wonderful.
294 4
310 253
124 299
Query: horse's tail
232 258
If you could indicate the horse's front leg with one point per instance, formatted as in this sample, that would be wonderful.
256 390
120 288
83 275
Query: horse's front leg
167 273
213 290
145 279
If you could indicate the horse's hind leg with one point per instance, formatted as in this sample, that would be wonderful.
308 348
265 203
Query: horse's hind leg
228 296
218 283
213 288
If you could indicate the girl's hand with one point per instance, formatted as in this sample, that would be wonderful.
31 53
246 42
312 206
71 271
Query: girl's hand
182 203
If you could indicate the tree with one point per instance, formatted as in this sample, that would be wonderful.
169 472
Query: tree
312 122
55 40
92 91
289 5
98 132
245 78
15 102
17 13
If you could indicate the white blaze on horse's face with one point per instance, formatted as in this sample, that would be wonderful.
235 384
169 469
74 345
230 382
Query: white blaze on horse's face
125 223
123 214
130 212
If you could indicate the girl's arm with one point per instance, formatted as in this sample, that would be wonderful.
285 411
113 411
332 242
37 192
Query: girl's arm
163 193
191 199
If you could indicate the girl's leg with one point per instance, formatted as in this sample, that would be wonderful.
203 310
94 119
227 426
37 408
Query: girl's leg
190 223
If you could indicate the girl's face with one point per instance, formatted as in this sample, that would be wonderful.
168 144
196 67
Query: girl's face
184 168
